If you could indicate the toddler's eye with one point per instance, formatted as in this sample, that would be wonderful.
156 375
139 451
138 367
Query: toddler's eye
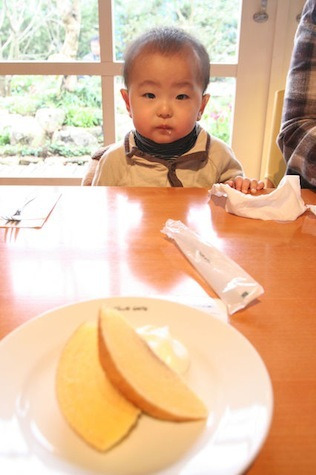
182 97
149 95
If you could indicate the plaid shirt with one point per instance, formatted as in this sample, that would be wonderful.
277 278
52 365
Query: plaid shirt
297 137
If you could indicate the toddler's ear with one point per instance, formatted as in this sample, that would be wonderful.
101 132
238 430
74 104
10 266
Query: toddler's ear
125 95
205 100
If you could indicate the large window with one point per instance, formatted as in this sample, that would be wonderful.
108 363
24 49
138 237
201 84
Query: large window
60 73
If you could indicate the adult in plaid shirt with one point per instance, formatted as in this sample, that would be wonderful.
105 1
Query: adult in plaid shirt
297 137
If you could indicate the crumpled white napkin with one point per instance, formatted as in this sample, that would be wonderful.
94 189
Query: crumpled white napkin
283 204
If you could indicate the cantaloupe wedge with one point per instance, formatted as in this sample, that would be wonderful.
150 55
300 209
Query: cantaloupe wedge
140 375
92 406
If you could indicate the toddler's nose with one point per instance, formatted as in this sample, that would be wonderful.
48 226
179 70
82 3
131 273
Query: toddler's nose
164 110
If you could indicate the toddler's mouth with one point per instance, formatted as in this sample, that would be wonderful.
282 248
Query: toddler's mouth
165 128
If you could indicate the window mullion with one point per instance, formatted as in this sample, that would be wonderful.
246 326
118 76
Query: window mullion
106 30
108 109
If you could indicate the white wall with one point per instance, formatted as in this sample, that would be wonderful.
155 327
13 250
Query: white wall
265 50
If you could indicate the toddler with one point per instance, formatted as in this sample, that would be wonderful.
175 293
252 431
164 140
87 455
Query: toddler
166 73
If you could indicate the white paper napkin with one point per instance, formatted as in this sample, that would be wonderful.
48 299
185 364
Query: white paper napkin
34 214
283 204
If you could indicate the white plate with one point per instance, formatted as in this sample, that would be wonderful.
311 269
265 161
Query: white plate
226 371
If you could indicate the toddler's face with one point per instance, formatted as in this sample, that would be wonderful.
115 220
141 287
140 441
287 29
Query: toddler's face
165 97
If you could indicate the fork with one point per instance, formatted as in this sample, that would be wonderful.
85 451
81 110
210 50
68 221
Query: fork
16 216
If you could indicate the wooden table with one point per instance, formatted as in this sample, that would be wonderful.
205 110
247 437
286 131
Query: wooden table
102 242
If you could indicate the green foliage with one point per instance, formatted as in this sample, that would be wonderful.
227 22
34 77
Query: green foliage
215 22
87 93
21 84
4 139
36 41
43 152
218 125
83 116
30 93
10 150
47 33
218 113
30 152
25 105
23 150
89 26
67 150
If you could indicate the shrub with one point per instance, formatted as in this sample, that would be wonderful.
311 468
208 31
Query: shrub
24 105
67 151
5 138
82 116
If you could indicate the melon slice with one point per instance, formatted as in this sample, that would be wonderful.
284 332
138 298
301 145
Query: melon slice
140 375
92 406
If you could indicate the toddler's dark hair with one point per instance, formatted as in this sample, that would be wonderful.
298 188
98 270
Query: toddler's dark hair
167 41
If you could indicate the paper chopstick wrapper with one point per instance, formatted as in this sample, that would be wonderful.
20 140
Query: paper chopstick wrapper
232 284
283 204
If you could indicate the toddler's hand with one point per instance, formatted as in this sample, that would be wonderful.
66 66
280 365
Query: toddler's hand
245 185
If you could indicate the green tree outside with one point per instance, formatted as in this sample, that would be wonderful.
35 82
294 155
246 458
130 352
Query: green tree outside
29 37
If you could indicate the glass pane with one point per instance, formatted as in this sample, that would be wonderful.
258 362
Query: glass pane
218 114
123 122
217 117
58 31
215 23
47 118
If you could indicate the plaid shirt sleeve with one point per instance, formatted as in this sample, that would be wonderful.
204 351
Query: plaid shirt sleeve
297 137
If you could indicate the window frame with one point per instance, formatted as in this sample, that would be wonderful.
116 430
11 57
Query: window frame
255 85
